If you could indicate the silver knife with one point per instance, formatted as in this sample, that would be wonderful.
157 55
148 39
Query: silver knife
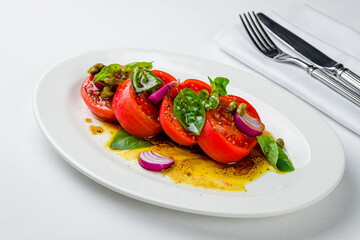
311 53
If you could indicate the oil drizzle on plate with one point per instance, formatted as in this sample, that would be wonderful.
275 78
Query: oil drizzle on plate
96 130
193 167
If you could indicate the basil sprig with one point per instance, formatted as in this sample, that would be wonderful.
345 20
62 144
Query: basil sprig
190 111
218 88
131 66
276 156
190 107
124 141
142 80
209 101
218 85
108 72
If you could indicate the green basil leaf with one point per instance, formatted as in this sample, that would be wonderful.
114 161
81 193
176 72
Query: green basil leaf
276 156
218 88
212 84
123 140
218 85
108 71
203 96
209 102
131 66
212 102
269 148
142 79
189 111
283 162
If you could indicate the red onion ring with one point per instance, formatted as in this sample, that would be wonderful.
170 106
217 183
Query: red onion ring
154 162
160 94
99 85
248 125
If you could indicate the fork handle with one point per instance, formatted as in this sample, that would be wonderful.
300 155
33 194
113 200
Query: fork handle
350 77
334 84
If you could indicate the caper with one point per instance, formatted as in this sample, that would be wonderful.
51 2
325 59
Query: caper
96 68
241 110
233 106
106 92
111 81
99 66
92 71
280 142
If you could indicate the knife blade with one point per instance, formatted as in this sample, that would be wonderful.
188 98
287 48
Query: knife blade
310 52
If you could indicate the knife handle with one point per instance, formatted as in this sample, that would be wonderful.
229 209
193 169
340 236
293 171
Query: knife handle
350 77
334 84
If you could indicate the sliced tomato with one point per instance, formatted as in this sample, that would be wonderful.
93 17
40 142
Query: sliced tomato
164 76
98 106
137 114
171 125
194 84
220 139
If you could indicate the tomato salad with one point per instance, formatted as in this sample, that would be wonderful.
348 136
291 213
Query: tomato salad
146 102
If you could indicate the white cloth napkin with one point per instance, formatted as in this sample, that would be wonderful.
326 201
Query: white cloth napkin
322 32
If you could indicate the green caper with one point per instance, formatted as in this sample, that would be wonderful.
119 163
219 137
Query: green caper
113 81
280 142
106 92
233 106
92 71
96 68
241 110
99 66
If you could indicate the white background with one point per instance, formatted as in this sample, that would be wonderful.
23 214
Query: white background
42 197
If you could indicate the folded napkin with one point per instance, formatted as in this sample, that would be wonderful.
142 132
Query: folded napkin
235 41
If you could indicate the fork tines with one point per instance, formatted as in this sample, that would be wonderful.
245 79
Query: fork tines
257 33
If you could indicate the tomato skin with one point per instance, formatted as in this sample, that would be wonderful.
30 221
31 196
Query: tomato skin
194 84
164 76
100 107
137 115
220 139
171 125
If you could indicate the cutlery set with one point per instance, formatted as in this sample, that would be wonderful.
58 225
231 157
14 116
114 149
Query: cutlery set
345 82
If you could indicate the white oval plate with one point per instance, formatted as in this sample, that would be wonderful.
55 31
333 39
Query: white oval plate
60 112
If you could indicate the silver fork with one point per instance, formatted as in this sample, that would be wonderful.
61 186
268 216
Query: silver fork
266 46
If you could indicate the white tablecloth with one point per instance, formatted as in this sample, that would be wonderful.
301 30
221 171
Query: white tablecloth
42 197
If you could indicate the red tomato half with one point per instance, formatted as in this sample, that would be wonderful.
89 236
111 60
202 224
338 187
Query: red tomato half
171 125
220 139
137 114
165 77
98 106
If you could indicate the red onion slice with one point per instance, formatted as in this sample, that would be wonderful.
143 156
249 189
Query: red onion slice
248 125
154 162
99 85
160 94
